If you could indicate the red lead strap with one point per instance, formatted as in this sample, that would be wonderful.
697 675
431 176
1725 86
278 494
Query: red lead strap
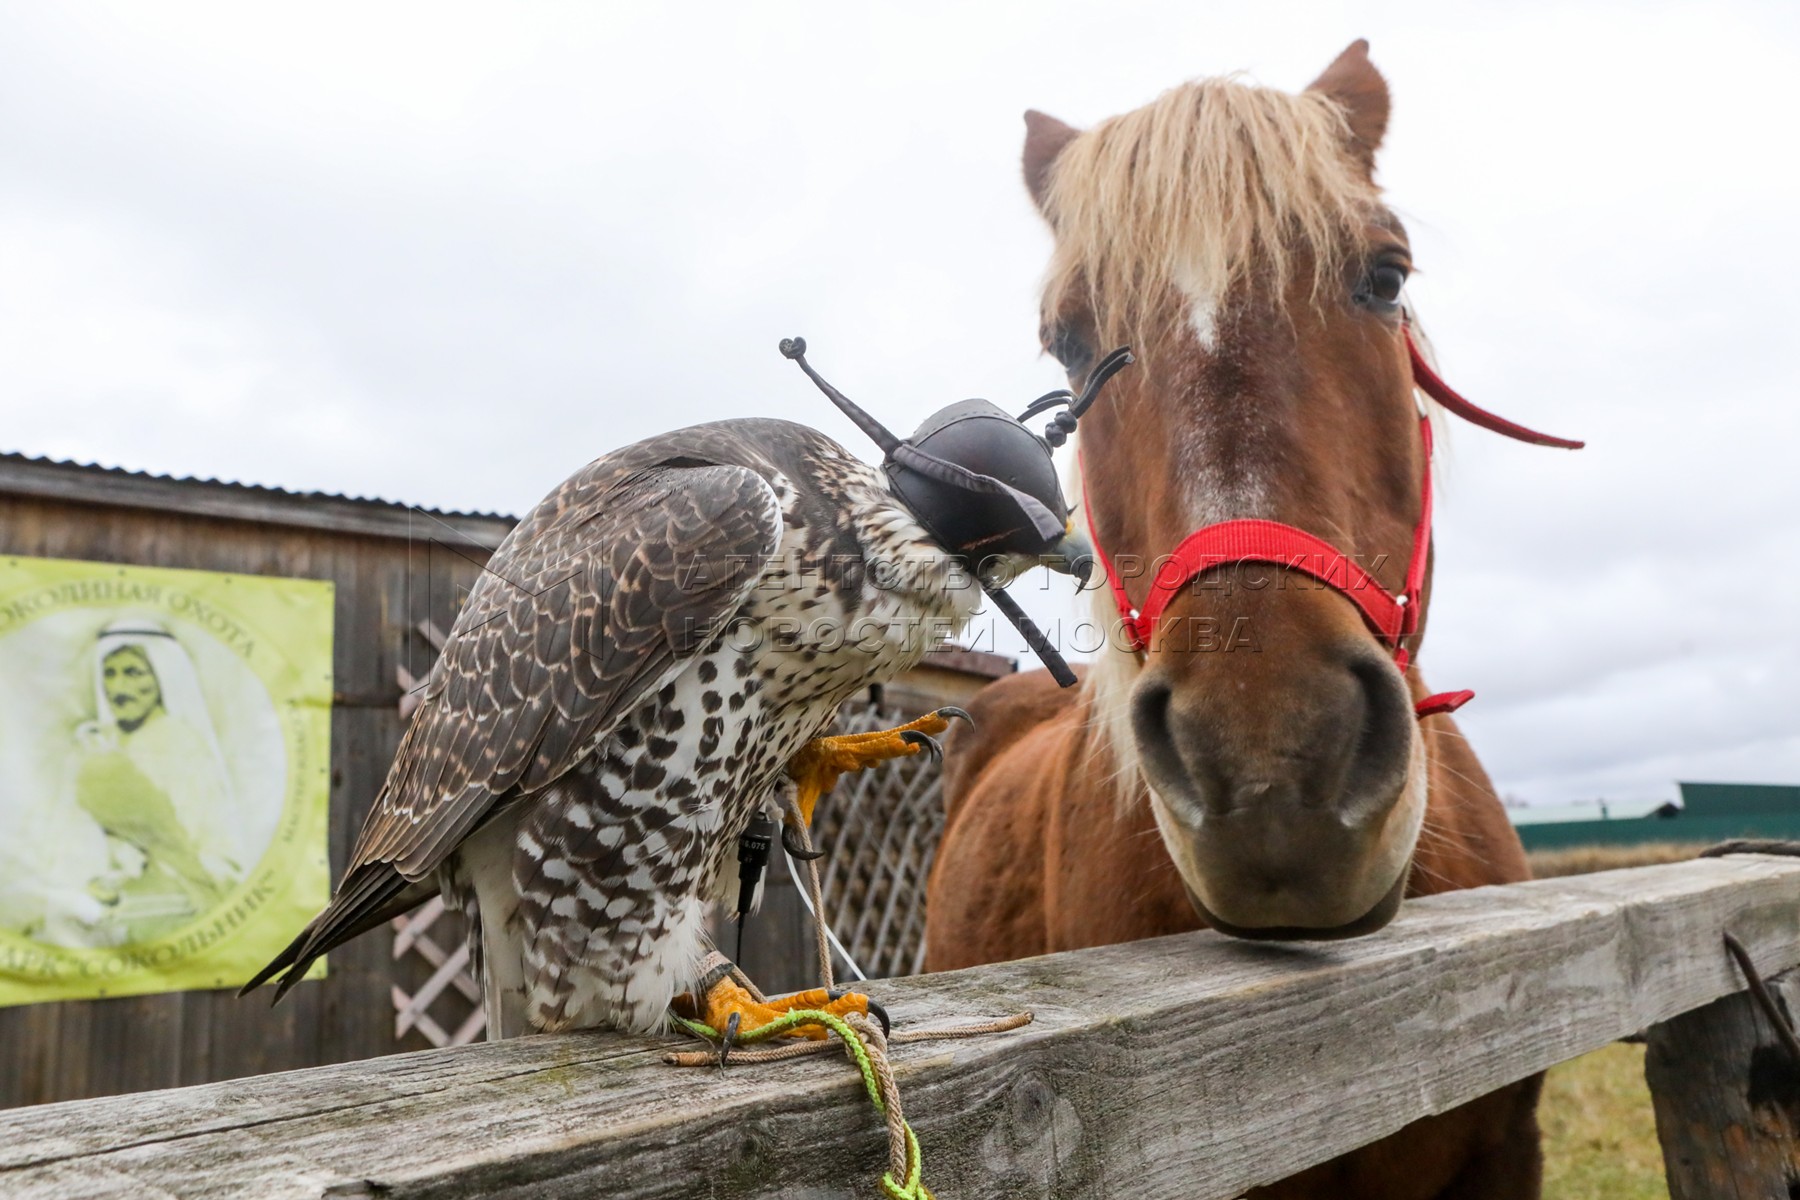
1393 618
1433 385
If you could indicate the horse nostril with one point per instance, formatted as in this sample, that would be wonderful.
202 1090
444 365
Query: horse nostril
1150 729
1383 749
1150 712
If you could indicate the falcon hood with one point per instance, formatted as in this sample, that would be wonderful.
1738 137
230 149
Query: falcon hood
983 485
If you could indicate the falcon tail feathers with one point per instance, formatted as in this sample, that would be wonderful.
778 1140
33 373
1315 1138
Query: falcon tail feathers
375 897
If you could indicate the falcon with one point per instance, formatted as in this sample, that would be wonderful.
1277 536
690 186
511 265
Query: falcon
651 656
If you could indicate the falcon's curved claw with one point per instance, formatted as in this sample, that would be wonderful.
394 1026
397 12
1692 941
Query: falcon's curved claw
950 712
925 742
728 1035
790 842
875 1010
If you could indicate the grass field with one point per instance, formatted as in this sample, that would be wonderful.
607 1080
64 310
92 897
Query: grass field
1581 860
1599 1133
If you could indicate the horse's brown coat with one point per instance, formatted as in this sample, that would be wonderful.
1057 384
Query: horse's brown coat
1042 852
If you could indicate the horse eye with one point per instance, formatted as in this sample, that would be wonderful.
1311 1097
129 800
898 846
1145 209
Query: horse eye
1067 347
1381 289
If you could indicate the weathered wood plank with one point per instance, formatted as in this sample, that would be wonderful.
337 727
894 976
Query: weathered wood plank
1188 1066
1727 1097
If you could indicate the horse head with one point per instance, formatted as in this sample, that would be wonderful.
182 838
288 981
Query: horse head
1234 236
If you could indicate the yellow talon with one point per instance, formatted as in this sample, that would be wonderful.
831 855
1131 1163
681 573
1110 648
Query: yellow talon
724 997
816 768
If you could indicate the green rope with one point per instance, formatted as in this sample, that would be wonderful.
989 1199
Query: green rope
914 1188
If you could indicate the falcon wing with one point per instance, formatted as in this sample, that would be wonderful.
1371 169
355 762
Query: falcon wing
601 597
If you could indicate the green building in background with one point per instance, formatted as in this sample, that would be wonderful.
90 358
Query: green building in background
1708 812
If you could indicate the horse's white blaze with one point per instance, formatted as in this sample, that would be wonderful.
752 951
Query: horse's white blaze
1201 295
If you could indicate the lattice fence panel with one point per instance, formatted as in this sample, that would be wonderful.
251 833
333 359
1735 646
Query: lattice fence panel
445 1008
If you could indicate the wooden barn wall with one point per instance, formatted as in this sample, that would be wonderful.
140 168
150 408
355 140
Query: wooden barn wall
385 585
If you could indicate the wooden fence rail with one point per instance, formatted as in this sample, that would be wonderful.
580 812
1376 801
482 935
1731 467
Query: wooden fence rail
1190 1066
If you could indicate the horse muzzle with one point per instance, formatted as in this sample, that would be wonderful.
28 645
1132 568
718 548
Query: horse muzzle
1291 809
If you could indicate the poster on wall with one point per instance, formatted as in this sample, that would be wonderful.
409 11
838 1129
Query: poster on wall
164 775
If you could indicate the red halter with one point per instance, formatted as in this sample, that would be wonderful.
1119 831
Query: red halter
1393 618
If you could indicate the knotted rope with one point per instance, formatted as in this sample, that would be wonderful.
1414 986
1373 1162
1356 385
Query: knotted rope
863 1040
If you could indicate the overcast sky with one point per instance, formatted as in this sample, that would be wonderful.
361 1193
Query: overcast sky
446 255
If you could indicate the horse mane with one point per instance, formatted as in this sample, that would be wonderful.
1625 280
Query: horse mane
1106 685
1210 184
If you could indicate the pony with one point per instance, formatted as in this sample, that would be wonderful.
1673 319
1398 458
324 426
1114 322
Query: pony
1256 761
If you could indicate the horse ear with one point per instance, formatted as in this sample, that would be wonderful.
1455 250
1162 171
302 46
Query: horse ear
1354 83
1045 137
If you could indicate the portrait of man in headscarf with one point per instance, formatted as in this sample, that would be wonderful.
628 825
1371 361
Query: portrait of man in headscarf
150 773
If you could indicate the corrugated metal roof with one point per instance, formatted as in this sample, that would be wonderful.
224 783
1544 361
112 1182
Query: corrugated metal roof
13 456
62 481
